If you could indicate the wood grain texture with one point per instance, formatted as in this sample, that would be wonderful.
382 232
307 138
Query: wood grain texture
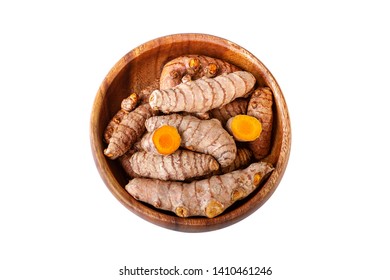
141 67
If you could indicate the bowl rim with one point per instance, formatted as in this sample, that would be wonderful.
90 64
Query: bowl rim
191 224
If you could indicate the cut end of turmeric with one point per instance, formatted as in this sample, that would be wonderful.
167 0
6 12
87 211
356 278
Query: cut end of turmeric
237 194
182 211
166 139
211 70
214 165
194 64
108 153
213 209
257 179
244 128
128 104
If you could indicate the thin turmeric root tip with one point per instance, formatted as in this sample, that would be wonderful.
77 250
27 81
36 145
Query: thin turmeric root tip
213 209
257 179
157 203
214 165
128 104
108 153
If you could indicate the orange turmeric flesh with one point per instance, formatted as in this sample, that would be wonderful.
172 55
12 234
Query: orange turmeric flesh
166 140
244 128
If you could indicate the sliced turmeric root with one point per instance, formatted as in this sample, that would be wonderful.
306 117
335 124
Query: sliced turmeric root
165 140
244 128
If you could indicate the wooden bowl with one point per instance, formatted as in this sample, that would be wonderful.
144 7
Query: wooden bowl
143 65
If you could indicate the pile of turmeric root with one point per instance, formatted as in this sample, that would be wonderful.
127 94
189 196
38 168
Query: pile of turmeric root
193 141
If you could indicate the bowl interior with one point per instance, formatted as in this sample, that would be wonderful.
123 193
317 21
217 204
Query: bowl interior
142 66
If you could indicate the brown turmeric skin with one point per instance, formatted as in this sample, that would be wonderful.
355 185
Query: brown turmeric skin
203 136
260 107
242 160
209 197
128 131
204 94
178 166
234 108
195 66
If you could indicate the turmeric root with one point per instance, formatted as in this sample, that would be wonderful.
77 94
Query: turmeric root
204 136
203 94
192 67
260 107
234 108
128 104
244 128
165 140
242 160
208 197
180 165
128 131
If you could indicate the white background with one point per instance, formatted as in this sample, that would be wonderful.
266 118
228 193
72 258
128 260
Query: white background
329 217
